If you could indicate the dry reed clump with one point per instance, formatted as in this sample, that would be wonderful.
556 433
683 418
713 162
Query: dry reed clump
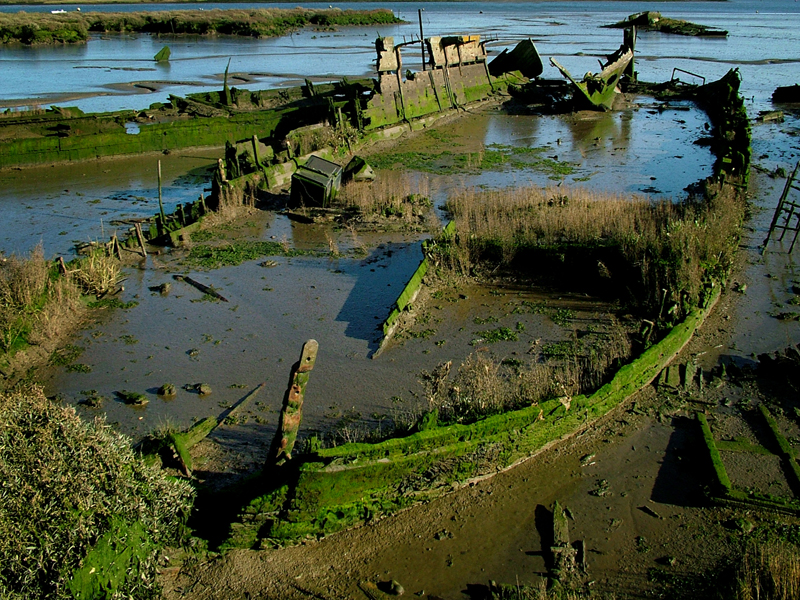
540 591
484 386
23 280
769 571
66 483
97 273
58 315
24 284
397 195
232 198
680 248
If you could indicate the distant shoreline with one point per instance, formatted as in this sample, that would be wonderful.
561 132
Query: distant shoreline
93 2
43 28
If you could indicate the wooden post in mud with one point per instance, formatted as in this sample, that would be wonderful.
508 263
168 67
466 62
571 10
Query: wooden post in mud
292 412
140 237
160 200
256 157
115 246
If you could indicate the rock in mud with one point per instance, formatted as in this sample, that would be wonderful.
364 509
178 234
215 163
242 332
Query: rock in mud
133 398
395 589
201 388
92 401
168 390
603 488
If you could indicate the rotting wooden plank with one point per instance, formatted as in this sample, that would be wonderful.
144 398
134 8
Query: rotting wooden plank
292 411
241 405
203 288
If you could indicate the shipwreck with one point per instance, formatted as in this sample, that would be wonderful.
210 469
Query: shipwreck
602 89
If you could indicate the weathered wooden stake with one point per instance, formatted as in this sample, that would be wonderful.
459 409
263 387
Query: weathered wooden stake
256 157
292 412
203 288
140 237
160 200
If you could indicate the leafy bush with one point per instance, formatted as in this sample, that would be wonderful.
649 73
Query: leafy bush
80 515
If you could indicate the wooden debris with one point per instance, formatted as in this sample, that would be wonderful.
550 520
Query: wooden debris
564 555
241 405
203 288
140 237
292 411
649 511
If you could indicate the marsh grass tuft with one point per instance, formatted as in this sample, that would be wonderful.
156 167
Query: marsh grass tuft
96 274
769 571
35 304
393 195
678 247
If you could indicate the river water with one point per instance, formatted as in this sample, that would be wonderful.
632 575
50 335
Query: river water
764 43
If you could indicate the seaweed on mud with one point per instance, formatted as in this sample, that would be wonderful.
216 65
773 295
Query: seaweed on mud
227 255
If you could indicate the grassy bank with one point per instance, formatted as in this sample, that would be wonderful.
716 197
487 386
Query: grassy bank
41 303
46 28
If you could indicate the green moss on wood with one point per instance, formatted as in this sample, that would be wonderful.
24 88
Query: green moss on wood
723 482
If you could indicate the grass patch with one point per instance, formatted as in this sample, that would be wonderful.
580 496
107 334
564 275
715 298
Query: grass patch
229 255
492 336
36 304
66 355
495 157
562 316
393 195
682 248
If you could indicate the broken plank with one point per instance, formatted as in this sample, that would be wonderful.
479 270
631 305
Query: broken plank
241 405
203 288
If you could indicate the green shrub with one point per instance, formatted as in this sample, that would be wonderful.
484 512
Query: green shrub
80 515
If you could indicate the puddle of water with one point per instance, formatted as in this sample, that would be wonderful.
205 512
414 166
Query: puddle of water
769 275
254 337
62 205
640 150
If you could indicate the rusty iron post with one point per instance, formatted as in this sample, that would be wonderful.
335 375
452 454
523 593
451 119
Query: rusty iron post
292 412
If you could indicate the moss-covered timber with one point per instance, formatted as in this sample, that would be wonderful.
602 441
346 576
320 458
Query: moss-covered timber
721 490
158 137
73 27
334 488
